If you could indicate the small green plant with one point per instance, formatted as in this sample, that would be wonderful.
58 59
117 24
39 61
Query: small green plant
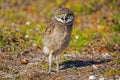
116 57
74 68
3 68
116 38
44 64
116 26
18 78
112 71
79 8
81 39
13 71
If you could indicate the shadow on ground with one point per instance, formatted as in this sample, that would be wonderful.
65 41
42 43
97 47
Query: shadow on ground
79 63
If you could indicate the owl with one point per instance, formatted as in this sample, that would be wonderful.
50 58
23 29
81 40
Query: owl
57 35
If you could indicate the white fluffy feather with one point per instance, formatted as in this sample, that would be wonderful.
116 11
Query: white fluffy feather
70 19
58 19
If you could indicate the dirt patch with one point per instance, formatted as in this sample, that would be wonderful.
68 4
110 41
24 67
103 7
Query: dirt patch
74 66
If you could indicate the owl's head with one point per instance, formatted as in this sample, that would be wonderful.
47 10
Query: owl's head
64 15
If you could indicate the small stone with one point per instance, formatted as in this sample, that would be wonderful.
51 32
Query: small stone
32 64
107 56
101 78
92 77
94 66
34 44
8 76
70 55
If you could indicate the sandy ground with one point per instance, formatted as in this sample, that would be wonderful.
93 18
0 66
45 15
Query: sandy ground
31 64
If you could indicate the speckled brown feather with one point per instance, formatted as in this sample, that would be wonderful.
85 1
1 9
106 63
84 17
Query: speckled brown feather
57 36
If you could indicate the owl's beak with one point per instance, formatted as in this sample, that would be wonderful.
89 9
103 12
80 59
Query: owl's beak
64 15
64 21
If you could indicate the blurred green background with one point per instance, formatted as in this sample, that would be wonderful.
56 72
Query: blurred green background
22 22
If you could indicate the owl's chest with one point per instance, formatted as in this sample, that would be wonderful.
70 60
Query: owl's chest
60 32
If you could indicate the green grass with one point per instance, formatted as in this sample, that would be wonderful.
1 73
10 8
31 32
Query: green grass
16 33
44 64
81 39
116 38
112 72
116 26
74 68
116 58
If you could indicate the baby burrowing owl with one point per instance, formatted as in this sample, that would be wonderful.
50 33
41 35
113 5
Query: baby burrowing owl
57 34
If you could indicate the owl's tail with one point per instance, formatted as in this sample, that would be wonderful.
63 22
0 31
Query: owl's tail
46 50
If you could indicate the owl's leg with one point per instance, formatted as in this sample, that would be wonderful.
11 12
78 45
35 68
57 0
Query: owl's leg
57 64
50 62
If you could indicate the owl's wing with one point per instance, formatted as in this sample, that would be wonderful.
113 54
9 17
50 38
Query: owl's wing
49 28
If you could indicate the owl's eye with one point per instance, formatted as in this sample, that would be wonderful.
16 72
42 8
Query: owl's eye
68 15
59 15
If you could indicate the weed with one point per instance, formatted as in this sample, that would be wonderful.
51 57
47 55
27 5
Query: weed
44 64
116 26
112 71
116 58
79 39
116 38
74 68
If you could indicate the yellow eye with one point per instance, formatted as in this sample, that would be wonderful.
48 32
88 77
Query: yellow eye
59 15
68 15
